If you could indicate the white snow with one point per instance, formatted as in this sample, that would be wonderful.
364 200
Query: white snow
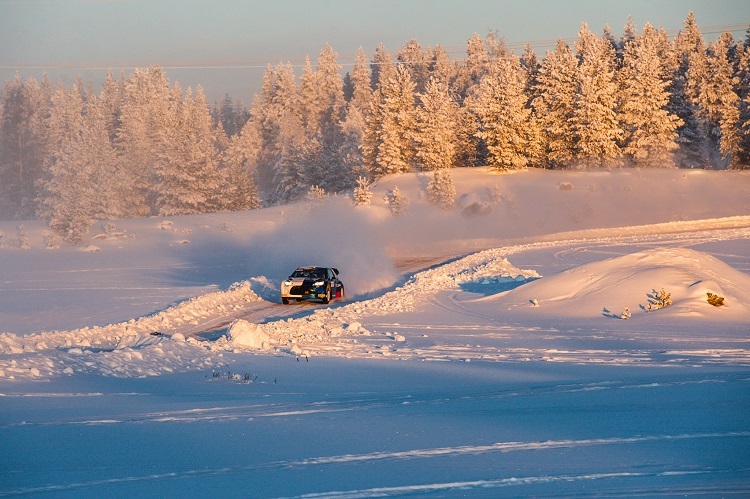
479 350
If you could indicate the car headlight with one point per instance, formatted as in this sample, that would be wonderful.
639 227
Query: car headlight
287 283
318 283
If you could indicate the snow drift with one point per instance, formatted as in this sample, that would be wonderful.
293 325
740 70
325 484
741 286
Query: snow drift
605 288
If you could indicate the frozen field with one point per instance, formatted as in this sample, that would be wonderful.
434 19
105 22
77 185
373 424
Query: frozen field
479 352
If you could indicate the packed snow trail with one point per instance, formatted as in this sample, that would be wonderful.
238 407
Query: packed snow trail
132 349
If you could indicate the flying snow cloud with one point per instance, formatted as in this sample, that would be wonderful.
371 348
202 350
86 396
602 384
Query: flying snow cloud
328 235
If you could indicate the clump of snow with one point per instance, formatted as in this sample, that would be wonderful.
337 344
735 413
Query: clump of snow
473 204
243 333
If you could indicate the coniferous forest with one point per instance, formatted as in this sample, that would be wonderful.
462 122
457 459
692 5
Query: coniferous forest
143 146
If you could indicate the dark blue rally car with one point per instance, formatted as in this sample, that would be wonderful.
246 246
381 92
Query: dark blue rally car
305 283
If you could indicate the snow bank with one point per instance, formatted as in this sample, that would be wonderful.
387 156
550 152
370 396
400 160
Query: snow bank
132 348
605 288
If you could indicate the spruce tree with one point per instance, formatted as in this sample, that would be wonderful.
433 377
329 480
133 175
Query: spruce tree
362 192
354 125
506 123
649 128
143 121
688 74
414 59
434 133
189 179
554 103
441 191
24 106
388 146
720 103
743 93
595 123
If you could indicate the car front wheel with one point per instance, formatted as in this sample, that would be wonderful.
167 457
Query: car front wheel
285 301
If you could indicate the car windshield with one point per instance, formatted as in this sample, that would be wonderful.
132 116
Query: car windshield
310 273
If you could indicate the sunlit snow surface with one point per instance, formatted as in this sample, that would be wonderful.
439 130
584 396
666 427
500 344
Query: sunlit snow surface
481 355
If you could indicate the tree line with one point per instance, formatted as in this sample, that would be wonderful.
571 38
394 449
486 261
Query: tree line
142 146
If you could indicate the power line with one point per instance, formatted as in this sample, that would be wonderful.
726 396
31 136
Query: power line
344 59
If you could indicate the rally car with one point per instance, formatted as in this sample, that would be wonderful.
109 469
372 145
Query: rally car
307 283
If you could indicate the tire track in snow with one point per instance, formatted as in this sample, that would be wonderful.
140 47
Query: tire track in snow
462 487
459 451
248 412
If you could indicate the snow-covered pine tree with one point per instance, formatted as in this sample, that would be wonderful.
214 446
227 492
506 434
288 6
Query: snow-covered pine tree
67 197
476 65
506 123
23 238
296 152
720 103
111 100
530 65
382 66
238 165
414 59
441 67
397 202
650 130
372 138
361 84
743 92
310 99
388 144
354 125
98 156
362 192
334 174
554 104
189 179
441 191
24 106
434 133
688 74
64 123
231 115
143 120
595 122
278 107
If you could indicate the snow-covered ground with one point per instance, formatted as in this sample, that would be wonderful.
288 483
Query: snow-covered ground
512 346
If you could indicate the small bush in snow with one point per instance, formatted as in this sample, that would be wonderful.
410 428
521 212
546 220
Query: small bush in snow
362 192
316 193
715 300
441 191
625 313
109 227
657 300
397 202
50 241
23 239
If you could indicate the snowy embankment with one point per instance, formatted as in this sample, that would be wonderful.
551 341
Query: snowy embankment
132 349
151 264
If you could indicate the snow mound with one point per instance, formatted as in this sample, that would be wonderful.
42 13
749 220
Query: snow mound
606 287
246 334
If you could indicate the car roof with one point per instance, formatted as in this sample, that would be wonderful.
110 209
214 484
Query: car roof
314 267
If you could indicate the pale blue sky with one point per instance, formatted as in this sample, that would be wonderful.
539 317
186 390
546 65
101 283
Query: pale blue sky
69 37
